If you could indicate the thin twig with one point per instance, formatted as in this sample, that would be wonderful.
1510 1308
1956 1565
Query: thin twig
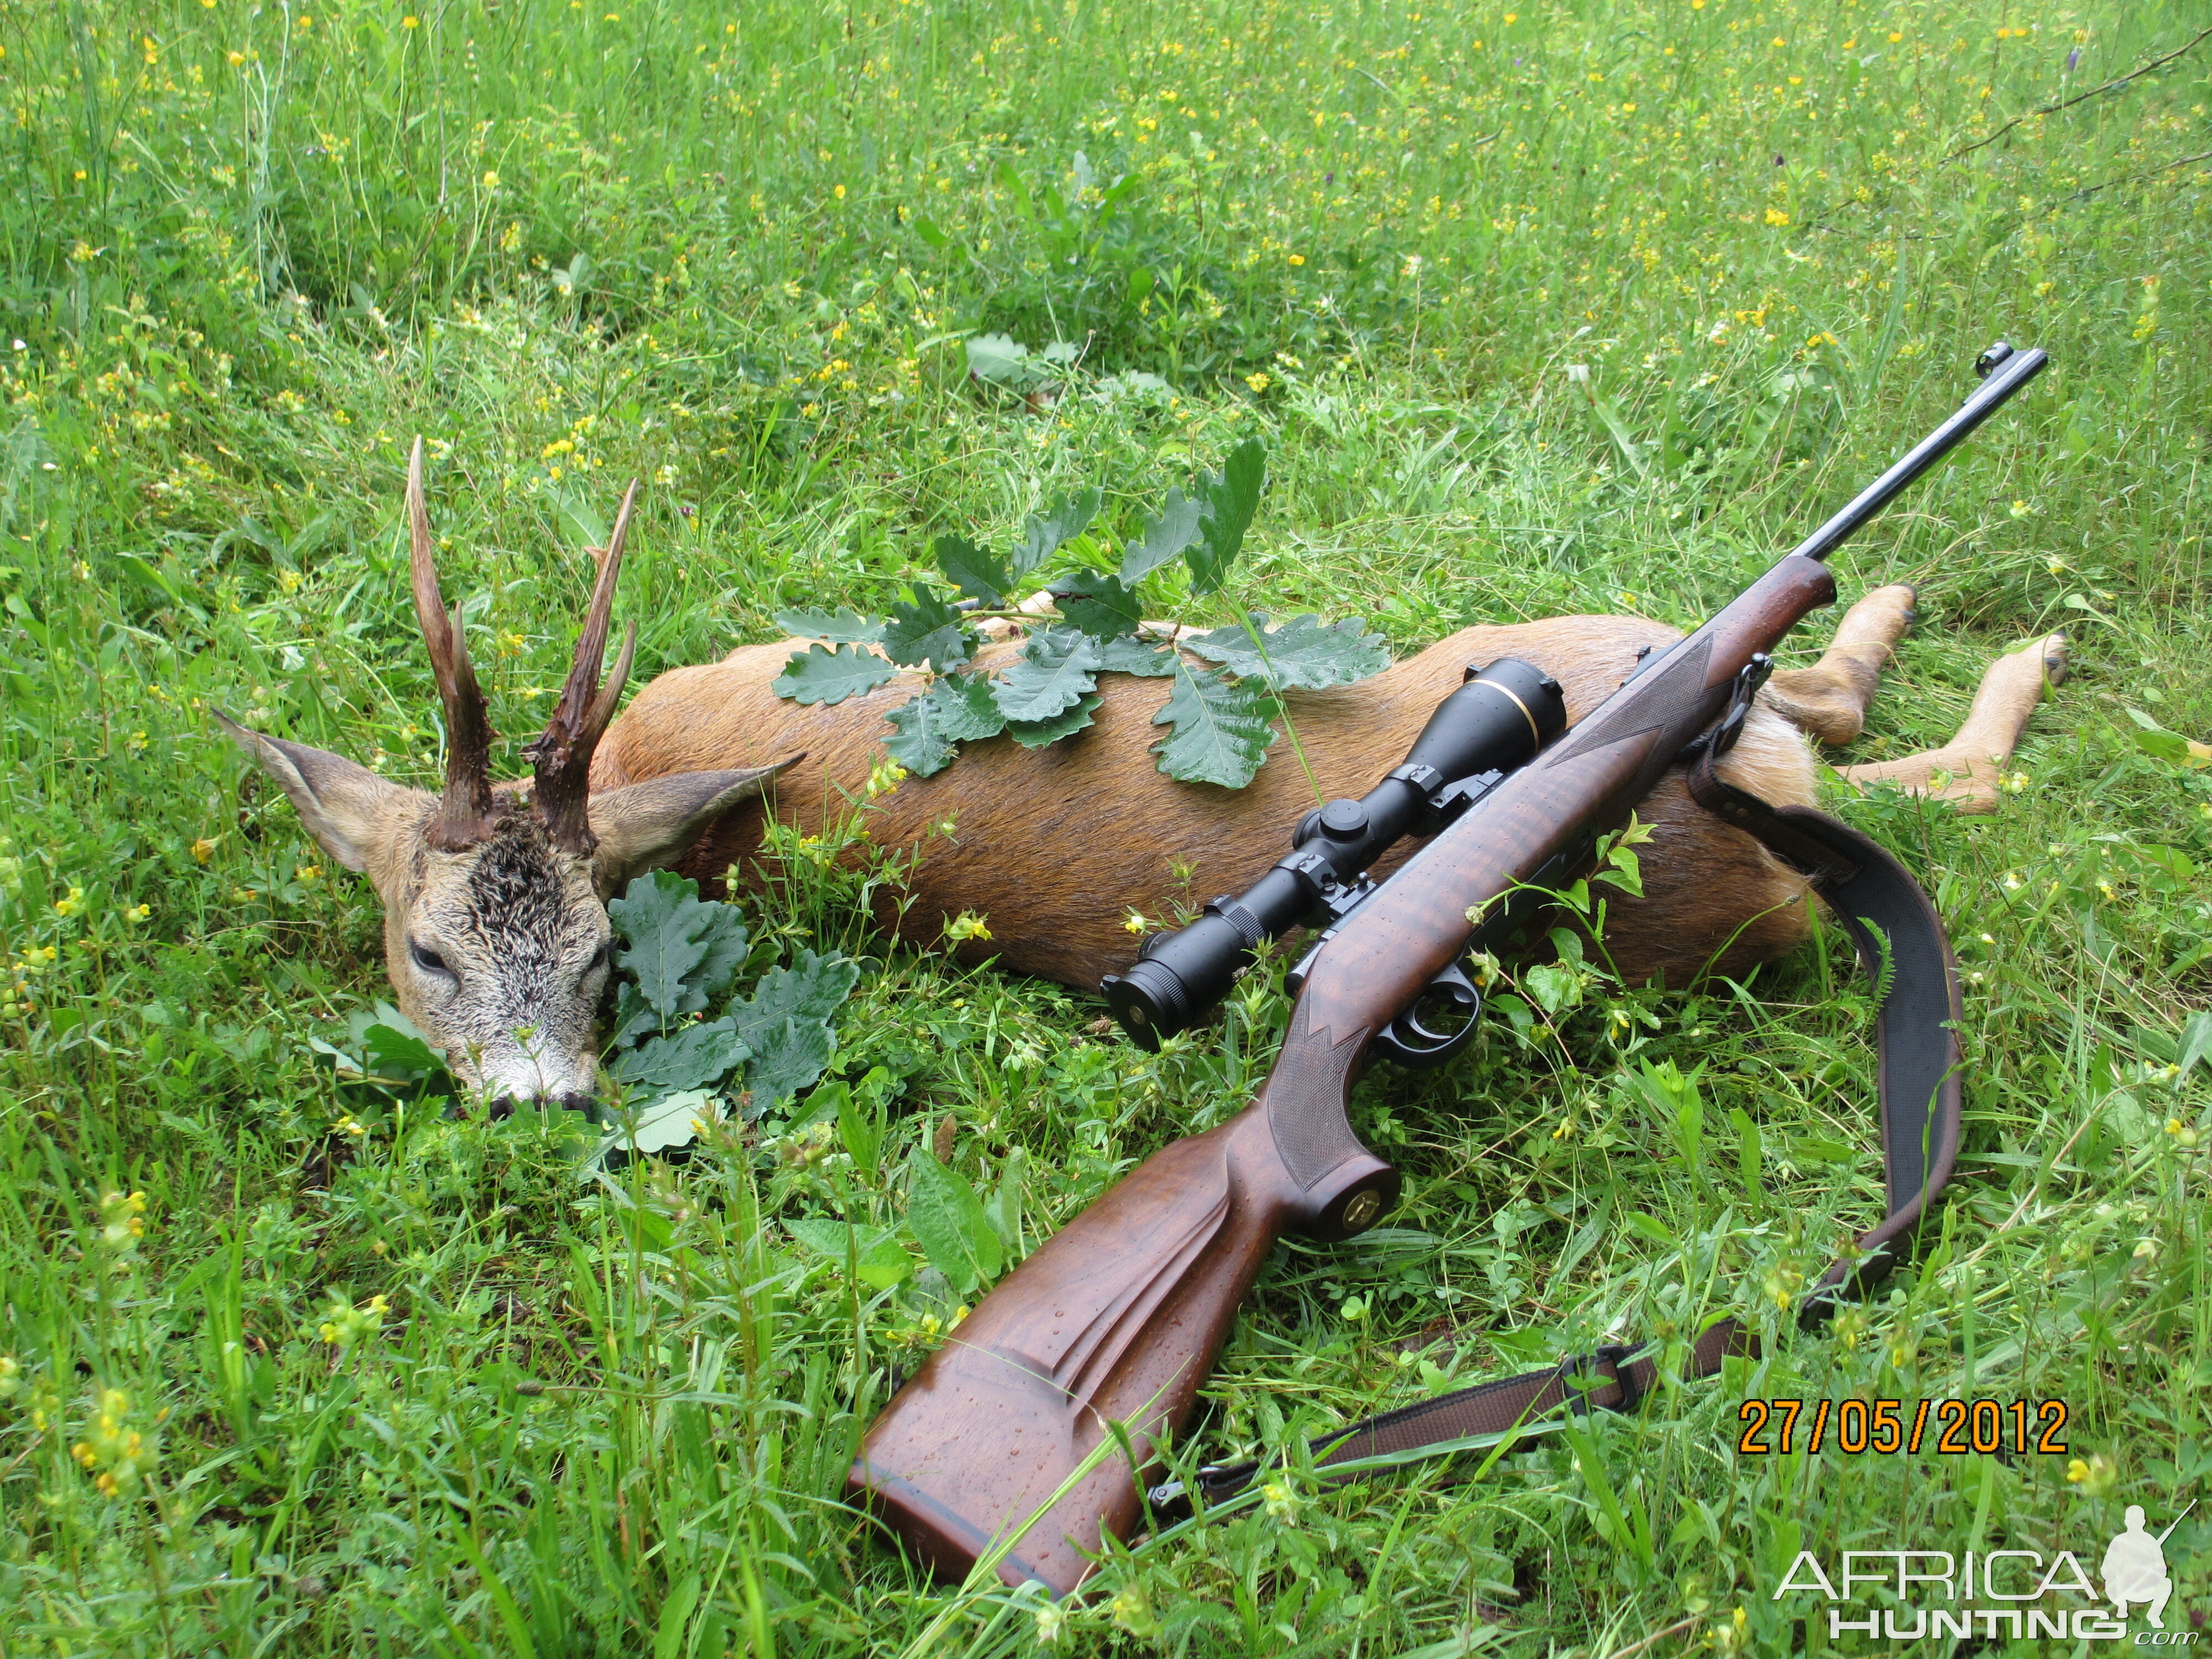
2135 178
1655 1636
2068 103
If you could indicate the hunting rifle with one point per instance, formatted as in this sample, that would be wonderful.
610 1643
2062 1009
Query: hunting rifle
1108 1330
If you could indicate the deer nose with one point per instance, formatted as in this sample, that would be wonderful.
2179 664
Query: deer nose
503 1106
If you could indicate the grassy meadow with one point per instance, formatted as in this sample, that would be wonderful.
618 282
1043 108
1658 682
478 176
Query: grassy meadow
1573 306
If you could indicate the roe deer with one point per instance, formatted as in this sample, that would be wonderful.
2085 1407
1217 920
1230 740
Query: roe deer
496 926
1057 845
495 929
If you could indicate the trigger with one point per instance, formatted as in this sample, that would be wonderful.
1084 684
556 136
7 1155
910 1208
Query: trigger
1412 1043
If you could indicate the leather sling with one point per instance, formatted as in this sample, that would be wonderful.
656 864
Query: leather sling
1900 937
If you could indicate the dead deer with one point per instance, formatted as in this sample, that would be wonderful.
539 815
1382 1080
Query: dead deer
496 929
1058 845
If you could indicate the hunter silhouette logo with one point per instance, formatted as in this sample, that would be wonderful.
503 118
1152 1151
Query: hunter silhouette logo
1999 1594
2135 1568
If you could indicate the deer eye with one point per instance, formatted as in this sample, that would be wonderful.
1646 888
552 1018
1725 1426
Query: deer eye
427 960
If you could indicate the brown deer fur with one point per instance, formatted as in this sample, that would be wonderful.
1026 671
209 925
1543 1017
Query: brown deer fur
1057 845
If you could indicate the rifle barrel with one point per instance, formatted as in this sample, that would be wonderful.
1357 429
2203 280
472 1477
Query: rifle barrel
2177 1519
2011 371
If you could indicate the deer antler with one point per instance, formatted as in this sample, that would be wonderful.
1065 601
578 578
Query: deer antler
562 756
465 811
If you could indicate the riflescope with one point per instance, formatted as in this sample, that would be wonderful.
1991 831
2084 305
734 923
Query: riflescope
1496 721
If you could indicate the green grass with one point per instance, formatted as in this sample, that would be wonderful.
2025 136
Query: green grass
247 253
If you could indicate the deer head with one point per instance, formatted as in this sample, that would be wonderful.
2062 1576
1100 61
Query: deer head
495 929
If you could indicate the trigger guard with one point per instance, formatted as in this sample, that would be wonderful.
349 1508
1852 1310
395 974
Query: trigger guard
1411 1044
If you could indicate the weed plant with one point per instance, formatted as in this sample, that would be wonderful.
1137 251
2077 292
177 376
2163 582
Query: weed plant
1585 306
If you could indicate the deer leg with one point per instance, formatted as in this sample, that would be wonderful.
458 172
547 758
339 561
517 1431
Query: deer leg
1967 768
1829 700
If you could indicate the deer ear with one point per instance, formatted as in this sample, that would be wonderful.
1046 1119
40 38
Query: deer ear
348 809
643 825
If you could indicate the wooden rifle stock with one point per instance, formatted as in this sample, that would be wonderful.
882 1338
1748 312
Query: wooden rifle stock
1119 1317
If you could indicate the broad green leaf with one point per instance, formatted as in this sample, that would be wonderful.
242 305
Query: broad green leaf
2155 739
925 629
1044 534
1017 187
812 989
1102 606
384 1048
672 1120
727 943
822 675
956 709
948 1219
1229 498
675 1618
681 952
1221 729
695 1057
968 707
398 1053
1001 360
2166 745
791 1055
660 916
1301 654
886 1263
829 1238
918 741
1627 873
1164 538
1135 656
2196 1043
842 626
883 1261
1057 670
1003 1209
1553 988
1035 734
860 1126
981 575
786 1024
634 1016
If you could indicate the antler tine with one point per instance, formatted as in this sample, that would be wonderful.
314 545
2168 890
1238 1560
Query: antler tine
465 811
562 756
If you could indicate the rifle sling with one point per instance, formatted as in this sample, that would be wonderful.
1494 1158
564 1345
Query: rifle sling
1900 940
